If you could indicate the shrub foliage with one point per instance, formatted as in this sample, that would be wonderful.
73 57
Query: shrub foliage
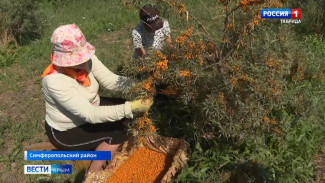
19 21
238 100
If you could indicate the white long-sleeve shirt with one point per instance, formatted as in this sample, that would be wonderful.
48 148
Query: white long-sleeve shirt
69 104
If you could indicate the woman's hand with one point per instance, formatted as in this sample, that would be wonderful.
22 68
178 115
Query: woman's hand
141 105
141 52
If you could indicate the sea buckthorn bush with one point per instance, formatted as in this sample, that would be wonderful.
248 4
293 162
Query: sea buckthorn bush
232 85
243 92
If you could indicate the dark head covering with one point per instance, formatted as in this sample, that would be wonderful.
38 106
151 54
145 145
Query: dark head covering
150 17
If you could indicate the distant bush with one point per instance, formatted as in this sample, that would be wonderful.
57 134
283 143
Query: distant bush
19 21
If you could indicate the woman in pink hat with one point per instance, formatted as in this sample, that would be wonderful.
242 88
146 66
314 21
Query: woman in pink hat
76 117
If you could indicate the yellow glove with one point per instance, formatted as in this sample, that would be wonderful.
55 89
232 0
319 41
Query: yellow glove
141 105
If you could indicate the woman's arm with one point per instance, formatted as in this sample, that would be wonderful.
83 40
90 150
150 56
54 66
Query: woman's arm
64 94
137 43
107 78
166 31
169 39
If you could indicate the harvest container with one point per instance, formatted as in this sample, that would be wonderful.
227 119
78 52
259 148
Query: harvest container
175 150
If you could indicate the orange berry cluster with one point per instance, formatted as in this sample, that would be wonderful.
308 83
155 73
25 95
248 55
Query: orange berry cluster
184 73
163 64
181 40
145 122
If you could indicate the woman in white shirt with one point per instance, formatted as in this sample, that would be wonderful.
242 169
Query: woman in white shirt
76 117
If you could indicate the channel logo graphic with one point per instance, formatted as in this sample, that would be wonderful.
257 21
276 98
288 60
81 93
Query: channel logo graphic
281 13
287 16
47 169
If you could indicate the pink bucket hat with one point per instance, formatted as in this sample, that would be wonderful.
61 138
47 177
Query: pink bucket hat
70 47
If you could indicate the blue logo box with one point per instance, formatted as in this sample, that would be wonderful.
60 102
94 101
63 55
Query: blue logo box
61 169
67 155
276 13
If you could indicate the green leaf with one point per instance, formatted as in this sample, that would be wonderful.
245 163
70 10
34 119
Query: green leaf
198 147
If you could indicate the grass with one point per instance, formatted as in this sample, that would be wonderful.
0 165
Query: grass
107 24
